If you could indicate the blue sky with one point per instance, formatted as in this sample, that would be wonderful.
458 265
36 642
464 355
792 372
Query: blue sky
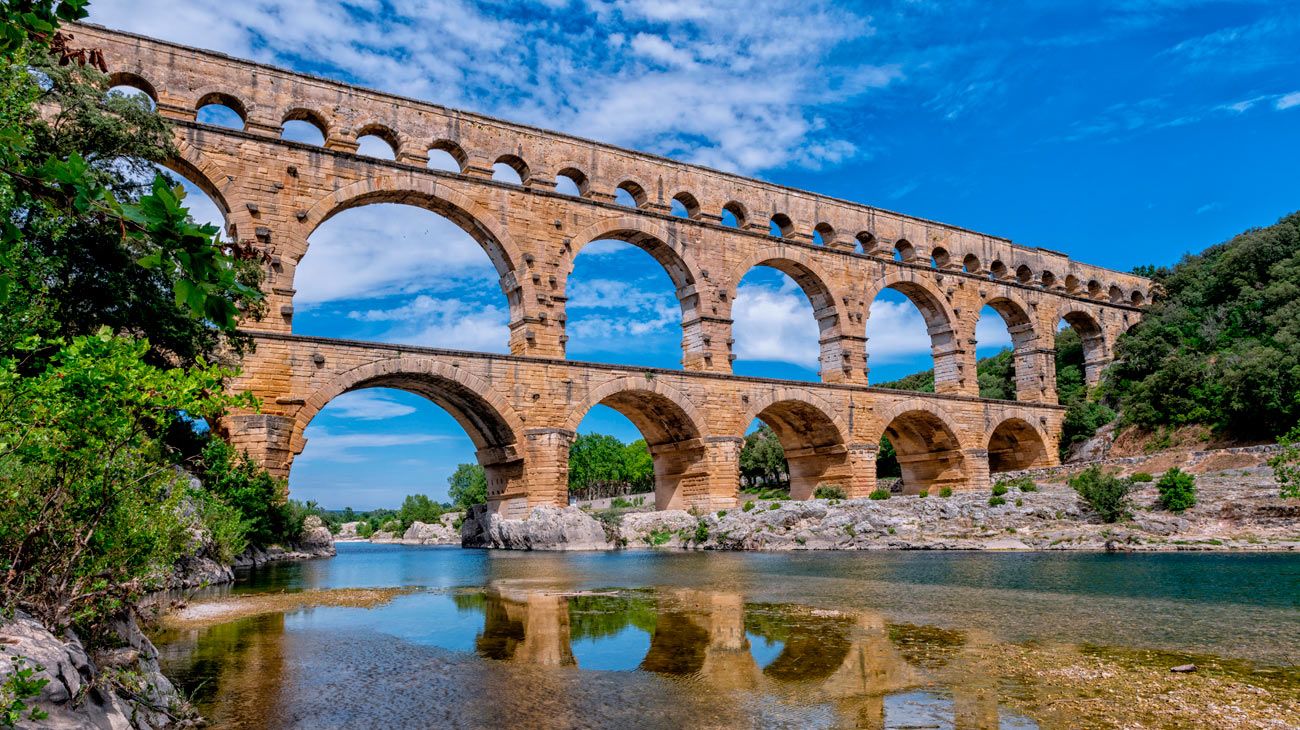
1121 133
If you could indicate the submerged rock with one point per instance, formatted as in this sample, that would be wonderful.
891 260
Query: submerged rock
544 528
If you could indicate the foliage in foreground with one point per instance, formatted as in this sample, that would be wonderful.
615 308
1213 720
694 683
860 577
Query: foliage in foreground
1106 494
91 507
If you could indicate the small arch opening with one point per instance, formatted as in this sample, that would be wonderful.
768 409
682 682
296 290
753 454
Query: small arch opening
447 156
823 234
129 84
780 226
1048 280
510 169
1071 284
733 215
1024 274
866 241
684 205
1116 295
571 181
971 264
221 110
377 141
1094 289
939 258
1137 299
998 271
630 194
305 126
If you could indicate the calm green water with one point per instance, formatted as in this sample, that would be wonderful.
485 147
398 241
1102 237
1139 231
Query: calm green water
676 639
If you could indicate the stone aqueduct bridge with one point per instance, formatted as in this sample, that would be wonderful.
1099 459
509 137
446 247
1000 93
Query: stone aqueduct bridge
522 410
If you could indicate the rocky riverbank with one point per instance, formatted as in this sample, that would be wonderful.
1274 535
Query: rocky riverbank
1238 508
446 531
200 566
121 687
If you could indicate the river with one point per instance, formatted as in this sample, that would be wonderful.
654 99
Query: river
693 639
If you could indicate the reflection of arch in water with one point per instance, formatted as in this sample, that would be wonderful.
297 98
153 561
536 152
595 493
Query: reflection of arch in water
525 628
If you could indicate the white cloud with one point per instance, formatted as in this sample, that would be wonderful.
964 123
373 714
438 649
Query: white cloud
735 83
380 250
1288 100
637 310
368 406
327 446
775 325
446 323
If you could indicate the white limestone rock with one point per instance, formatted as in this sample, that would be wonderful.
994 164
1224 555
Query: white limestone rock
544 528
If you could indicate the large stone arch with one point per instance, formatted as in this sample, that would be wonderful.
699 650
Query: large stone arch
673 429
190 162
930 446
485 414
666 244
487 417
1015 444
816 284
1033 363
941 324
422 191
1096 343
815 439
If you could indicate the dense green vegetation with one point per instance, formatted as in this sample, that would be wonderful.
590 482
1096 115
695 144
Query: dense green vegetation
1177 490
1105 493
603 466
1221 348
762 461
114 308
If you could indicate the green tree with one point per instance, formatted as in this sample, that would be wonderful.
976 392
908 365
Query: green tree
762 459
249 489
419 508
1177 490
90 508
1221 348
467 486
639 467
1105 493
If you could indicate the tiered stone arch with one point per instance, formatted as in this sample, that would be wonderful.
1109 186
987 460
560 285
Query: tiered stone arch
835 355
931 446
673 428
814 437
941 322
1093 333
1016 444
666 245
423 192
487 417
1035 380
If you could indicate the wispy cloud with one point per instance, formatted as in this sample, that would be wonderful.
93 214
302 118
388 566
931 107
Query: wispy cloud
734 84
351 447
368 406
1287 101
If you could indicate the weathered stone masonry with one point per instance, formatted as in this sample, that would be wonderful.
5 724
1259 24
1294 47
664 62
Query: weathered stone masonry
522 410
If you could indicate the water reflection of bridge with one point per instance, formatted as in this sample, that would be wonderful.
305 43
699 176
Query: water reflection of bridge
848 661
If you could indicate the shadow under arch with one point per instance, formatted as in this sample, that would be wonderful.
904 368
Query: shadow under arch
485 415
665 245
671 426
940 321
928 448
814 441
1014 445
190 163
812 281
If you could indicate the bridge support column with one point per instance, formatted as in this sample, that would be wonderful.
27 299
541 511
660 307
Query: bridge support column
843 359
699 473
813 467
706 344
1035 375
862 469
546 456
266 438
954 366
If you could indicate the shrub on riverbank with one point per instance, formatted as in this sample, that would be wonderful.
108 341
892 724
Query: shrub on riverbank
1105 493
1177 490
